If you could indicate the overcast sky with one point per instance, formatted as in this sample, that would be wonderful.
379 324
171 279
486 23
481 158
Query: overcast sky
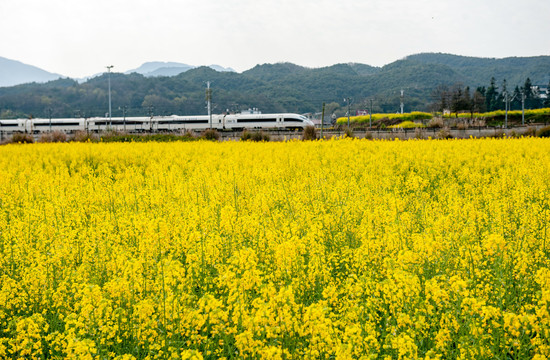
80 37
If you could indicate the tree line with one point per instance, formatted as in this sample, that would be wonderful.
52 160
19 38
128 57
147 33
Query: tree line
459 98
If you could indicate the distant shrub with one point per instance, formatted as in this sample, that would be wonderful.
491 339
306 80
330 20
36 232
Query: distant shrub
530 131
21 138
544 132
436 123
83 136
514 134
246 135
462 126
56 136
419 133
45 138
537 117
261 136
310 133
59 136
211 134
255 136
444 134
349 133
189 135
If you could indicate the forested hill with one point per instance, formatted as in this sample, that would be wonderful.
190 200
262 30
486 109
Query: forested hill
281 87
478 71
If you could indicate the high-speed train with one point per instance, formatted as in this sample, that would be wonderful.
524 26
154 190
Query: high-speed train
159 123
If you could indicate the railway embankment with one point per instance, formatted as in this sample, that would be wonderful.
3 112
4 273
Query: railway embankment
285 135
402 134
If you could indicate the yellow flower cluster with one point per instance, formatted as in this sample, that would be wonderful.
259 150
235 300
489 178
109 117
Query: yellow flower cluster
346 249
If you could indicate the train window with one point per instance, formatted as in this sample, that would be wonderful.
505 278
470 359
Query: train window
293 119
255 120
57 124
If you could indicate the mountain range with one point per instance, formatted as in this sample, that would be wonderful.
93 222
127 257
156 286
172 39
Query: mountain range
280 87
158 68
14 72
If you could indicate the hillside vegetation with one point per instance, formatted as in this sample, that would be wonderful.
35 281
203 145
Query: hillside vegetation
281 87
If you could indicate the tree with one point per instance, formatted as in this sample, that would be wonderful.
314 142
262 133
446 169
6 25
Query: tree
491 96
331 108
516 99
457 99
159 104
467 103
531 100
501 100
441 98
478 101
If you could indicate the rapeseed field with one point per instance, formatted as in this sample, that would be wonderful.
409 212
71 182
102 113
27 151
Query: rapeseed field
345 249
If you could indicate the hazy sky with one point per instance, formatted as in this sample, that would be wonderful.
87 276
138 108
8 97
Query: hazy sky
80 37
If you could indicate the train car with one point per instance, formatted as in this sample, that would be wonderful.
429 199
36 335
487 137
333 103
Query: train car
182 123
13 125
36 126
230 122
130 124
295 121
267 121
69 125
159 123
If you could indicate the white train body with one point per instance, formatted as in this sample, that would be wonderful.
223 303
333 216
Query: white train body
159 123
44 125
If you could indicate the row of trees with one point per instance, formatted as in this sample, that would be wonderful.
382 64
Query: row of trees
459 98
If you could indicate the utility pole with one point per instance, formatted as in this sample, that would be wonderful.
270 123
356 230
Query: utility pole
523 107
507 101
109 80
322 119
151 118
402 103
349 107
209 102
